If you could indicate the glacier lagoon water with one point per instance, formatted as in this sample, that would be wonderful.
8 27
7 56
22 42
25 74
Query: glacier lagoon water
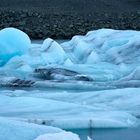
104 107
109 134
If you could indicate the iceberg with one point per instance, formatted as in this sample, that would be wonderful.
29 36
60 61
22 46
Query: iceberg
63 114
17 130
58 136
13 42
54 52
103 55
28 131
126 99
91 81
114 46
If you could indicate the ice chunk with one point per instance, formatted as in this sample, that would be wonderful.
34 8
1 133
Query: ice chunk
58 136
13 42
54 53
135 75
126 99
49 53
61 114
17 130
104 45
18 65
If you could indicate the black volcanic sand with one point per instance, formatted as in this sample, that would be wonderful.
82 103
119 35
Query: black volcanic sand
62 19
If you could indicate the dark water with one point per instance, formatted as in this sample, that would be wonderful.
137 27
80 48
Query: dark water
41 41
109 134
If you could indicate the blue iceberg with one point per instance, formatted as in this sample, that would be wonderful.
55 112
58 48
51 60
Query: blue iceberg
13 42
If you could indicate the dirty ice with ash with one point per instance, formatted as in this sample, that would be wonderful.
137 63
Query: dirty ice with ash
90 81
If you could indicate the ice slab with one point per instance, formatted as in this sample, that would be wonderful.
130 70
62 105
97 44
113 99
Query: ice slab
127 99
17 130
59 136
63 114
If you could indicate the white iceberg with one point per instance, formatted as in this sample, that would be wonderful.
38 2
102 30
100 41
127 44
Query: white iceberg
58 136
126 99
103 54
17 130
63 114
53 53
110 57
113 46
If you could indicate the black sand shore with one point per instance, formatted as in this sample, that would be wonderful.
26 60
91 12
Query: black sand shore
62 19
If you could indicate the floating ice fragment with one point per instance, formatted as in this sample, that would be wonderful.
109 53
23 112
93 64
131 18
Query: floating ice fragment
59 136
13 42
17 130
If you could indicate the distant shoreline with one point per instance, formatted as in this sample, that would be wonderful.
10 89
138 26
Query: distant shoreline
62 19
39 25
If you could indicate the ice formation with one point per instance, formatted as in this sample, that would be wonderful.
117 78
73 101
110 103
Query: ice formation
59 136
103 54
54 53
63 114
13 42
107 45
109 57
17 130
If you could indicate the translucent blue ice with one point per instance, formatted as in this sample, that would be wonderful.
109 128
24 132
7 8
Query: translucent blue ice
110 57
13 42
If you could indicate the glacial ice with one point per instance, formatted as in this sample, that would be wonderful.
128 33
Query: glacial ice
13 42
59 136
54 53
103 55
109 57
107 45
17 130
63 114
127 99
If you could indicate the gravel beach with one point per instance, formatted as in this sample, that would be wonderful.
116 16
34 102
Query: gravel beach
65 18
